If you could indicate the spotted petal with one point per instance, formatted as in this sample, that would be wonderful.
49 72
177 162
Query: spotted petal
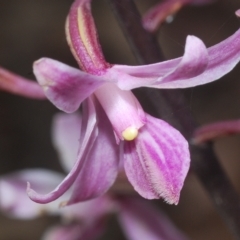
156 163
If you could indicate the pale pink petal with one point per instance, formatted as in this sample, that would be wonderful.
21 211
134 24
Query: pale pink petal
157 161
86 142
193 63
140 220
222 58
14 200
66 130
101 162
237 13
18 85
66 87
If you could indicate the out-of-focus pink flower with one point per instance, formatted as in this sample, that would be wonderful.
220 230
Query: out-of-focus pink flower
138 219
164 10
215 130
114 127
85 220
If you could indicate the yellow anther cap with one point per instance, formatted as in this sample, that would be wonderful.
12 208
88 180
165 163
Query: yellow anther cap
130 133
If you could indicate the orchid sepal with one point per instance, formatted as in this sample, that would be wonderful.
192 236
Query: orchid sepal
18 85
87 140
101 161
212 131
97 143
82 38
222 58
66 87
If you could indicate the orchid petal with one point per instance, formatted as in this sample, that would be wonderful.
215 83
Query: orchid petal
18 85
65 86
157 161
223 57
82 38
140 220
90 134
193 63
13 198
101 165
66 130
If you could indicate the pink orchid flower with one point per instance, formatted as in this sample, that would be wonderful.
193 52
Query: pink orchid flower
85 220
115 131
159 13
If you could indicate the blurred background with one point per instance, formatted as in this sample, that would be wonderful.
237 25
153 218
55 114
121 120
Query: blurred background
30 30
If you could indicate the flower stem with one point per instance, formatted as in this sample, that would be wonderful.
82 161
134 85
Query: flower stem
167 103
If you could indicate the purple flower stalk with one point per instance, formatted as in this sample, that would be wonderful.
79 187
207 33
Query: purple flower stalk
115 132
